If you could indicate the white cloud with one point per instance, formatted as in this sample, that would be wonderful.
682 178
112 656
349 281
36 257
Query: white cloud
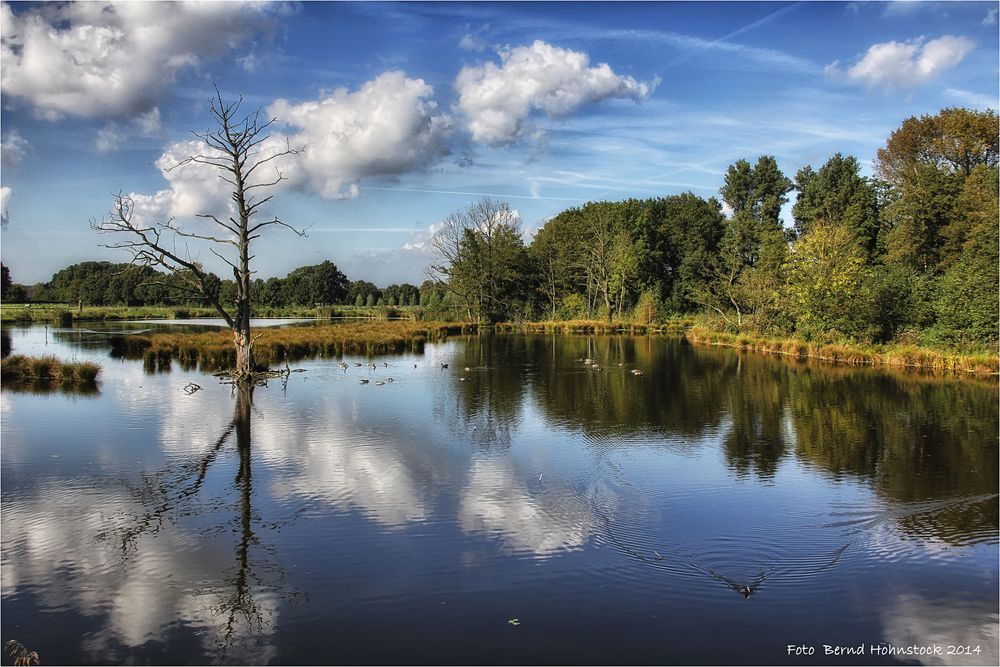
991 17
113 59
902 7
5 195
972 99
498 100
195 188
388 127
904 65
472 43
109 138
13 148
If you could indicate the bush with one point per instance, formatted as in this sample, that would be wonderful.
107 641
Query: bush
648 310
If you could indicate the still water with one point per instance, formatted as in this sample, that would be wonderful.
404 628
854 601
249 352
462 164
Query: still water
519 506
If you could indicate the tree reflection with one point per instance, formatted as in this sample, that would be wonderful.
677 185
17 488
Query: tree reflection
913 438
491 393
240 600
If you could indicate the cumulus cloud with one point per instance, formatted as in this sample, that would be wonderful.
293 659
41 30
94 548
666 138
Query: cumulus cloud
5 195
195 188
497 100
905 65
112 59
388 127
13 148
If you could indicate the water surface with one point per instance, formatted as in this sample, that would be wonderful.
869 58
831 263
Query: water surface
520 506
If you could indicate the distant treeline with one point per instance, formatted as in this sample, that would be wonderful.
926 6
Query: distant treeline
111 284
908 256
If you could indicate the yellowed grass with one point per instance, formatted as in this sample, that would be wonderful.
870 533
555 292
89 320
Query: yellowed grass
214 350
897 356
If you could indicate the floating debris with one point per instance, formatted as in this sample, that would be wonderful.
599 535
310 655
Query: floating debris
191 388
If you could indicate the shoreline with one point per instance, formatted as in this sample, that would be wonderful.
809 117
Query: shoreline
901 357
895 356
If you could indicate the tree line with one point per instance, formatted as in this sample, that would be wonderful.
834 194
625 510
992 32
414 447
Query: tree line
909 255
96 283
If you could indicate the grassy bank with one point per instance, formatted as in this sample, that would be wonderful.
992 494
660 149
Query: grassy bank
695 333
66 314
893 356
213 350
21 369
670 327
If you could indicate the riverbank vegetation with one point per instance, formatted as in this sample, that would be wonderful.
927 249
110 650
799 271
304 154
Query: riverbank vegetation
213 350
64 314
19 369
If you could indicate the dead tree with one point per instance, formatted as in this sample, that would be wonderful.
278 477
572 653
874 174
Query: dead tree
234 149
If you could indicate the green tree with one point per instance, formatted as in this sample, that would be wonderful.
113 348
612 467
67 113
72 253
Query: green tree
954 140
746 274
838 193
321 283
556 253
5 281
482 259
827 290
967 295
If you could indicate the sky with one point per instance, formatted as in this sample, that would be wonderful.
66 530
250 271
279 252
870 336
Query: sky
408 112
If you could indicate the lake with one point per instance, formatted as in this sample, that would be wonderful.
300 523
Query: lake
519 506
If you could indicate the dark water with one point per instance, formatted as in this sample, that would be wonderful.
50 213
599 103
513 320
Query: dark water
714 510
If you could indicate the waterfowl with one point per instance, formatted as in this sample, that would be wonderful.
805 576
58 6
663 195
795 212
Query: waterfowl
444 366
365 381
357 364
636 371
467 368
379 383
388 379
386 364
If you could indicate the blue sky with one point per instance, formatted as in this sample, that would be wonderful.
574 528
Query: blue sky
411 111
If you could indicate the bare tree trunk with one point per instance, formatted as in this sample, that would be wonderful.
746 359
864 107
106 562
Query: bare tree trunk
233 149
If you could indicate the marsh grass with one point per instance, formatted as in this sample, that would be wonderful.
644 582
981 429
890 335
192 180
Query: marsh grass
214 350
893 356
47 373
63 314
671 327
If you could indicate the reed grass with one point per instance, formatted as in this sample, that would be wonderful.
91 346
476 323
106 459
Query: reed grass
674 327
214 350
64 314
19 368
893 356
